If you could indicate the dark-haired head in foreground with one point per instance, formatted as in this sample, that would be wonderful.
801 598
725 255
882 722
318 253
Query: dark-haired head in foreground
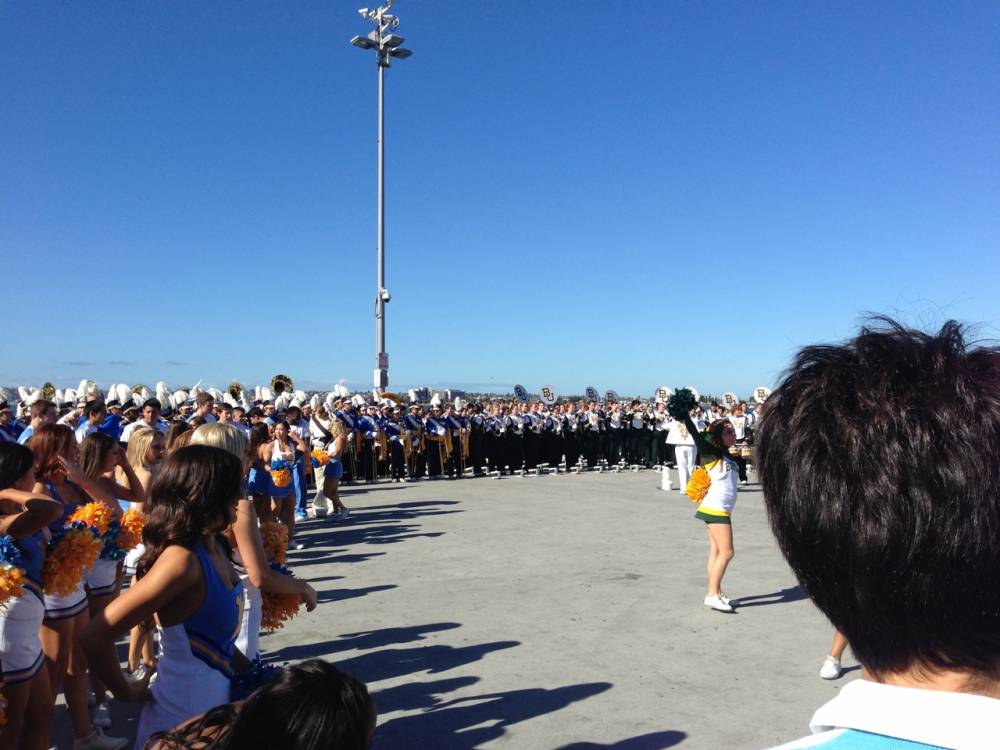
311 706
880 464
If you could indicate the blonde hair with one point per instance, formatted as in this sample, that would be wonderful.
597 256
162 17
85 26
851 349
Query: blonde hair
223 436
337 430
138 445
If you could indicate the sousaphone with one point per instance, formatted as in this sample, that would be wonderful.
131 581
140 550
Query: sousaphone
281 383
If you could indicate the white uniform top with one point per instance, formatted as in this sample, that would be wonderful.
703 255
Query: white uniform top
721 495
679 435
85 428
160 425
739 424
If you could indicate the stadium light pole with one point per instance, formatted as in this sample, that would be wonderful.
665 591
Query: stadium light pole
386 46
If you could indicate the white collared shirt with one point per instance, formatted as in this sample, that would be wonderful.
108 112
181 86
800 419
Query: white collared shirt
909 715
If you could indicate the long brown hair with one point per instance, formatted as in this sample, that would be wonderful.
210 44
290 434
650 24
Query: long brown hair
193 494
94 452
49 442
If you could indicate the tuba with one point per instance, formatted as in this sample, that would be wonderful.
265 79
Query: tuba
281 383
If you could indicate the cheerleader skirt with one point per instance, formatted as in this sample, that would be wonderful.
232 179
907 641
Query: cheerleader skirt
335 469
101 579
248 641
20 648
66 607
259 481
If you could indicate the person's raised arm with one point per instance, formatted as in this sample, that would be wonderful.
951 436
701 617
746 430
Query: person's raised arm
32 512
93 487
705 448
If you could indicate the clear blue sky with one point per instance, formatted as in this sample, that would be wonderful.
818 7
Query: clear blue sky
622 195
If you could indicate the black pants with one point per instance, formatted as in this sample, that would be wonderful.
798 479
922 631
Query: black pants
532 445
571 446
591 444
435 451
368 459
477 451
495 451
514 453
662 449
742 464
615 446
397 460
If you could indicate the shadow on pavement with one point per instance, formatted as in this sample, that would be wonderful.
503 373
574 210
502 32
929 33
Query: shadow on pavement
651 741
398 662
416 695
363 640
794 594
336 595
459 723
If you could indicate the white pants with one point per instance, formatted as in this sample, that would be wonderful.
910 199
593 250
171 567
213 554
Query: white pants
321 503
685 464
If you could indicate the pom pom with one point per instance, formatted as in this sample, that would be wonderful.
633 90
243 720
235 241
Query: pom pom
9 551
69 554
680 404
275 539
97 516
11 583
277 609
109 539
257 675
319 458
130 533
697 486
281 477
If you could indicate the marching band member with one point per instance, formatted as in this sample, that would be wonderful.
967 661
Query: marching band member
414 425
435 432
661 426
684 450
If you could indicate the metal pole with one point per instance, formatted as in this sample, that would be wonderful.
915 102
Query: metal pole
381 363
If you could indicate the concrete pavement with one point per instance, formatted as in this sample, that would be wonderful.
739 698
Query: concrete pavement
556 612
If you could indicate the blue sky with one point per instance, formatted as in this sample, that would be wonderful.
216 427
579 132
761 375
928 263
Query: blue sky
617 195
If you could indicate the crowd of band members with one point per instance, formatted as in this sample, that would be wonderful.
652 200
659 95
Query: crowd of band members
439 440
401 442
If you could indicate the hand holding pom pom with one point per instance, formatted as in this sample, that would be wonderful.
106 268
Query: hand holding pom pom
680 404
697 486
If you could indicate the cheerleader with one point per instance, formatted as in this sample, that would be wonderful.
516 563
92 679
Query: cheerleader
187 581
291 448
30 702
258 476
100 457
248 553
334 469
58 477
146 450
716 507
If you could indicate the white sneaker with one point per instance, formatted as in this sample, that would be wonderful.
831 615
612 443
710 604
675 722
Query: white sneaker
716 603
102 716
97 740
831 669
723 597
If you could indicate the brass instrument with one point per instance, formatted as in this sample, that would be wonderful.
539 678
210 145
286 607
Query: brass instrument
281 383
48 391
236 390
138 388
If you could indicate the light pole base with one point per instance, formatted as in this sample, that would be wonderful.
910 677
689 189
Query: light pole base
381 379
